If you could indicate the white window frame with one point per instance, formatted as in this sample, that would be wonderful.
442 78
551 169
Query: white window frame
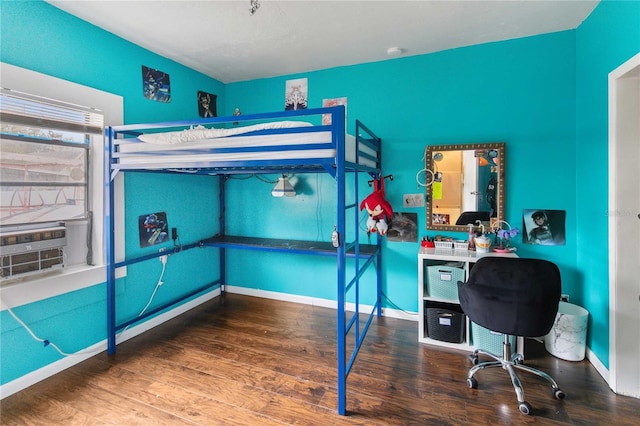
78 128
32 289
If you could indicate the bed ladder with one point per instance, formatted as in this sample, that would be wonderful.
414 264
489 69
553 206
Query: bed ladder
352 324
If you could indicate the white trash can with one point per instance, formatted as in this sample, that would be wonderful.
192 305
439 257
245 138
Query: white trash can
568 336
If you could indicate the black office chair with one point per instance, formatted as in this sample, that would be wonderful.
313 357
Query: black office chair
515 297
471 217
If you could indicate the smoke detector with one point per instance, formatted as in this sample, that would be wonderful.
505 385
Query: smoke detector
395 51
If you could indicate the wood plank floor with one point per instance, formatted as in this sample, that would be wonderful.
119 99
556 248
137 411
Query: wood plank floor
250 361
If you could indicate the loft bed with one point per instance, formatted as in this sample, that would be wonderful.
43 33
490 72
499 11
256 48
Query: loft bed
259 143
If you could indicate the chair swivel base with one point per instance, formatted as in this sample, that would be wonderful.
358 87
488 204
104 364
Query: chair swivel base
511 363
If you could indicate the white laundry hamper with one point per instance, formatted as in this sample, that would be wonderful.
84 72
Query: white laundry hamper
568 336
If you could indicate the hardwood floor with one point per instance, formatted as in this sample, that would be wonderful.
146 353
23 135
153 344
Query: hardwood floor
250 361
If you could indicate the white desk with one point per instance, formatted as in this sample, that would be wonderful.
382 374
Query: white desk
464 259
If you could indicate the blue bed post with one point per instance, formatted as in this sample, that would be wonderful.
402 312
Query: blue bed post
222 232
379 277
110 243
338 131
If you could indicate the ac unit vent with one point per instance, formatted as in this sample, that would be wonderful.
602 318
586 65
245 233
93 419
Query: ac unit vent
26 250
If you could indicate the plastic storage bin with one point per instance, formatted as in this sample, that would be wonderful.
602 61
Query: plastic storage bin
443 245
461 245
442 281
568 336
445 322
490 341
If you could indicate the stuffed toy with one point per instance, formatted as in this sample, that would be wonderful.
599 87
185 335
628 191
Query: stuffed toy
379 209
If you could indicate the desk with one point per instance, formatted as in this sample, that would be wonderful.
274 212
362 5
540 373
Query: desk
446 267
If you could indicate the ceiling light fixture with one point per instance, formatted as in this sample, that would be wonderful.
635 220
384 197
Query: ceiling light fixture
395 51
254 5
283 188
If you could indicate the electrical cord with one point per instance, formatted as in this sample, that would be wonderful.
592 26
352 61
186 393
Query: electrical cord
391 302
45 341
239 177
153 294
177 245
155 290
33 335
396 306
61 352
257 176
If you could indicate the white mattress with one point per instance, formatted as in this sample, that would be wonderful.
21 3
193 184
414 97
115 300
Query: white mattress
194 147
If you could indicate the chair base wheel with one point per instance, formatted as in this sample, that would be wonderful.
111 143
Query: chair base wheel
559 393
517 359
525 408
472 383
473 358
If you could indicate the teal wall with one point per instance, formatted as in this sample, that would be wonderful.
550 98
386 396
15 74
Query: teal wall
545 96
521 92
606 39
37 36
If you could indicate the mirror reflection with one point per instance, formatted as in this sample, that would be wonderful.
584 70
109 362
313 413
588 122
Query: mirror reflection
467 185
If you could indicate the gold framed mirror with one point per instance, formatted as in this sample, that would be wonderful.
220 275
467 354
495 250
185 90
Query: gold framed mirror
465 183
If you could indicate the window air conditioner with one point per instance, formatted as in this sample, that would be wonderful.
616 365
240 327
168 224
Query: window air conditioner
31 249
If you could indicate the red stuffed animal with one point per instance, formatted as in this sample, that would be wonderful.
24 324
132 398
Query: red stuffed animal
378 208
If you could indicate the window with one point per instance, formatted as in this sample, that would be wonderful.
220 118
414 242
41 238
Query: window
84 236
44 175
44 167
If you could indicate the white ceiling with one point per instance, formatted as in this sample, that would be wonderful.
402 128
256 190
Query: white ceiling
223 40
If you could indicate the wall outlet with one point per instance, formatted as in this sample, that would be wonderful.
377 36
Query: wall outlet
564 298
164 257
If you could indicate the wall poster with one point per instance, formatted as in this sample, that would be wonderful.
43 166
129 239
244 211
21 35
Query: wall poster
296 94
403 228
326 103
543 227
152 229
207 104
156 85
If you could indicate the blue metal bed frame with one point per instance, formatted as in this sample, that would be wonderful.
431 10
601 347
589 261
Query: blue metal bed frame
364 255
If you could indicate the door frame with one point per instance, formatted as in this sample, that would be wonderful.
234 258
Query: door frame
624 363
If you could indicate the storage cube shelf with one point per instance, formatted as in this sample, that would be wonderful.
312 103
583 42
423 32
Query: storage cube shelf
441 320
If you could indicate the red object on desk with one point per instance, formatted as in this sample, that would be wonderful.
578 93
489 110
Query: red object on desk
428 244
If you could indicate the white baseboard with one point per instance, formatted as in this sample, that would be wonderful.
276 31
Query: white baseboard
598 365
314 301
49 370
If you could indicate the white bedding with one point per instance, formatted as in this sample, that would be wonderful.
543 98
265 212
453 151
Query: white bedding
201 147
274 140
201 132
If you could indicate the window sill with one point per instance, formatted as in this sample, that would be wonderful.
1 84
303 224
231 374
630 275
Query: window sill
72 278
